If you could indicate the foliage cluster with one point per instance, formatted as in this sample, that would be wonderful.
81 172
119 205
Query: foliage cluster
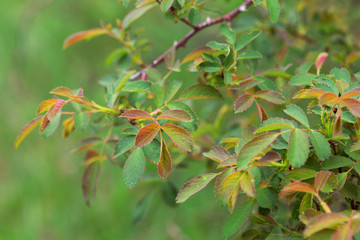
279 169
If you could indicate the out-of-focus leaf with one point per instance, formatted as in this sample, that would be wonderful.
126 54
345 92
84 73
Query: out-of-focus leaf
135 14
138 86
217 154
26 130
194 185
274 10
134 168
247 184
158 95
353 105
324 221
194 16
171 88
246 38
89 182
197 53
81 120
68 127
267 198
250 55
320 60
320 179
55 109
211 67
337 128
341 74
77 37
355 147
165 5
45 105
270 96
63 91
142 208
52 126
228 33
237 219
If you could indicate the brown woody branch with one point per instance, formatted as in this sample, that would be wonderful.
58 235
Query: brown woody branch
197 28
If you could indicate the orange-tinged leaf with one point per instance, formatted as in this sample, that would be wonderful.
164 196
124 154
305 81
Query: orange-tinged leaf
353 105
165 164
328 98
247 184
230 183
93 156
44 123
55 109
176 115
68 127
179 136
324 221
343 233
136 114
270 96
243 102
26 130
319 61
146 134
320 179
309 93
351 93
77 37
45 105
294 187
197 53
63 91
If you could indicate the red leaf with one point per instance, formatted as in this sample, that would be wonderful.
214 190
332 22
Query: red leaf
77 37
146 134
63 91
179 136
262 114
327 98
351 93
45 105
296 186
54 109
243 102
165 165
337 128
353 105
176 115
26 130
44 123
320 60
137 114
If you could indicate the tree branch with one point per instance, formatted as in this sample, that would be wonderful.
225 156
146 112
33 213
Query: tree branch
197 28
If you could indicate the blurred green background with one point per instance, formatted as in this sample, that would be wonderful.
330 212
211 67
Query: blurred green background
40 183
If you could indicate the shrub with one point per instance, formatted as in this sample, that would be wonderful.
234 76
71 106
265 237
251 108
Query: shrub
286 165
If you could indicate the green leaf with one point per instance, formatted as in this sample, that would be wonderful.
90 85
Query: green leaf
193 125
341 74
152 151
267 198
245 39
274 124
193 186
142 208
227 77
270 96
217 154
135 14
355 147
298 114
194 16
171 88
123 80
274 10
228 33
250 55
81 120
200 92
298 148
211 67
247 184
138 86
158 95
123 145
253 147
301 174
179 136
302 79
134 168
336 162
237 220
320 144
53 125
219 182
166 4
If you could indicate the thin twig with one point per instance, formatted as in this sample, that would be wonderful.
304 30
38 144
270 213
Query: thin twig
197 28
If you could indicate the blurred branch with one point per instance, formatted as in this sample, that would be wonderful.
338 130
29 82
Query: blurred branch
197 28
